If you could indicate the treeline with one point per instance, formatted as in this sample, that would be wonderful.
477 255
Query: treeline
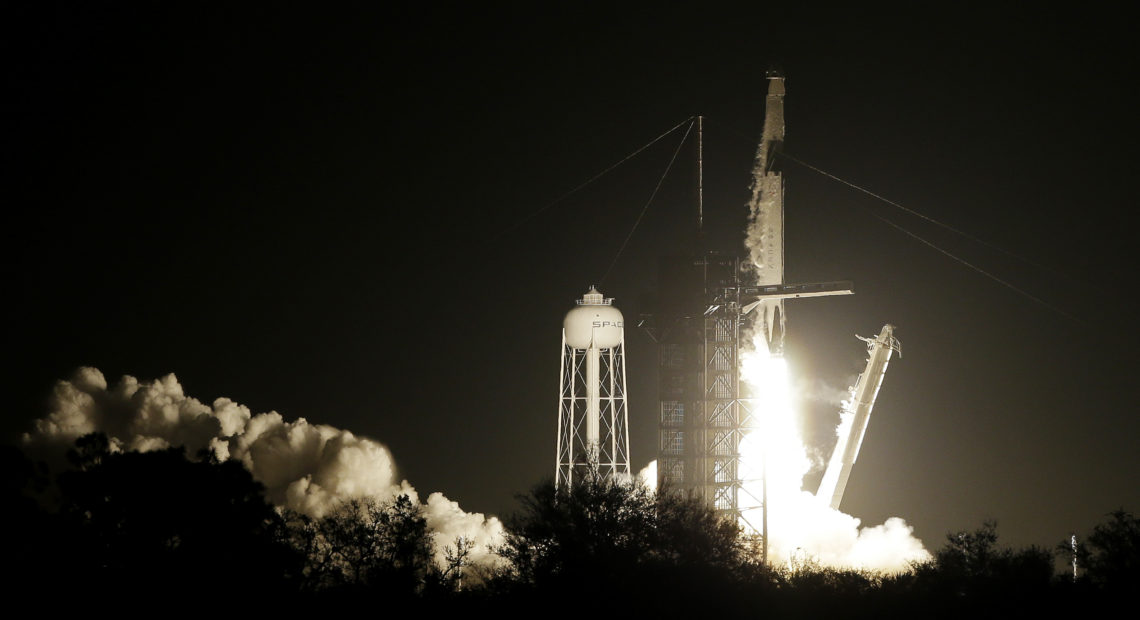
135 530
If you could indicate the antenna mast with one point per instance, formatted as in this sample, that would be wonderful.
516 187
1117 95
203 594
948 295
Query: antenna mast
700 174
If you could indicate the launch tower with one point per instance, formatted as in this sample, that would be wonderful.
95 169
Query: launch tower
697 327
705 304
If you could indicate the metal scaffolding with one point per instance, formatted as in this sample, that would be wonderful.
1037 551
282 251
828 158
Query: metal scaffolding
703 414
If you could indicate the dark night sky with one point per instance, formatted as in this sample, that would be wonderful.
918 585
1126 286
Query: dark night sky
318 213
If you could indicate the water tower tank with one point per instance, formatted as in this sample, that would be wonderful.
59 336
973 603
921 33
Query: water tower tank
593 322
592 415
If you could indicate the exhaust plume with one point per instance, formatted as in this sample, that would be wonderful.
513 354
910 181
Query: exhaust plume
648 475
823 392
800 525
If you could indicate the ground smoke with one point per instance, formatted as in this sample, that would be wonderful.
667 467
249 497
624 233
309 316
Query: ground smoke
305 467
802 527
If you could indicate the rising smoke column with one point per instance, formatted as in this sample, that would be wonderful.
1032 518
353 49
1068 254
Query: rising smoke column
305 467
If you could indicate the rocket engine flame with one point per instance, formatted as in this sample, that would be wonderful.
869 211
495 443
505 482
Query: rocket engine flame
799 523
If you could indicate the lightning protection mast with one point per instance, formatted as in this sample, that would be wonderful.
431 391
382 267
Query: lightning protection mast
593 421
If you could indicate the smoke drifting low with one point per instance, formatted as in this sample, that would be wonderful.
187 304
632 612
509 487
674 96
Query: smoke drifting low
801 526
305 467
648 475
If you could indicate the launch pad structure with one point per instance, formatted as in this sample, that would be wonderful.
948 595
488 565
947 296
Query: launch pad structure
709 308
701 329
698 328
712 310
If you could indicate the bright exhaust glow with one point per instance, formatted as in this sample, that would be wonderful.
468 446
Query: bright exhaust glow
802 527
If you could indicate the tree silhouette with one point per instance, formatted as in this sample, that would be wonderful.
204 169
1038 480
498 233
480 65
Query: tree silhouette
1111 553
158 523
157 527
367 544
35 540
621 544
973 574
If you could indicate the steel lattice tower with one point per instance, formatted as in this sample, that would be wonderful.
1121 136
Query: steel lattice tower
700 322
703 412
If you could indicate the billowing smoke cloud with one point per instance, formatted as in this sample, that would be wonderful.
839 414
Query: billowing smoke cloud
818 421
305 467
821 391
801 526
648 475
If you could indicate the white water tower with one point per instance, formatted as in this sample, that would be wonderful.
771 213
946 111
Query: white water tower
593 421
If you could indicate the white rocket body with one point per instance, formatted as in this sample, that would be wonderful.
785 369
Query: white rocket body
766 217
